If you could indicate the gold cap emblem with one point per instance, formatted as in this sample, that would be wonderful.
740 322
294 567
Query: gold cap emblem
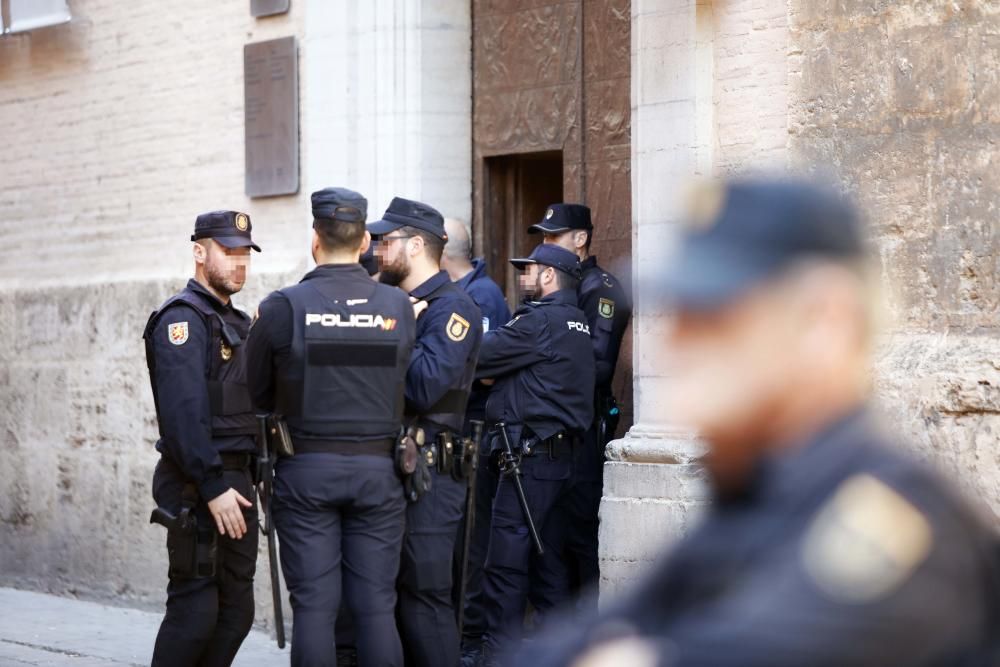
242 222
549 213
227 352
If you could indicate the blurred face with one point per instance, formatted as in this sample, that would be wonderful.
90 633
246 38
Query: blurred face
730 370
572 240
393 253
770 369
225 268
536 281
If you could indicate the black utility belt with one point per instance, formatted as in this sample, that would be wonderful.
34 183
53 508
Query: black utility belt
378 447
236 460
443 451
556 446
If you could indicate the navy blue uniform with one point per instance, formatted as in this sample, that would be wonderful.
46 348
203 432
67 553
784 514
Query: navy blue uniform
206 441
330 354
841 552
607 309
543 364
440 375
487 295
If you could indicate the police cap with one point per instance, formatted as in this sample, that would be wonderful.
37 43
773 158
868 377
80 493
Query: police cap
549 254
562 218
742 232
409 213
230 228
339 204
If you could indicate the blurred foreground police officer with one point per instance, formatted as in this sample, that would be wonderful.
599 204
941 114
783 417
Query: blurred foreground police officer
411 240
197 368
470 274
825 545
542 362
604 303
330 355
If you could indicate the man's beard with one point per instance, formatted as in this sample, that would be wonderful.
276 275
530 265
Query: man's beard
534 293
222 281
395 273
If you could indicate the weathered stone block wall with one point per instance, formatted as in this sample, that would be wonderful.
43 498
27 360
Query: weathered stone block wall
77 442
901 100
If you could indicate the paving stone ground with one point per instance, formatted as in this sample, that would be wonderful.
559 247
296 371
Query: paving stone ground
38 629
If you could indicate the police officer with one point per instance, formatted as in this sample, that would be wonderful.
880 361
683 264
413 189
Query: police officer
470 274
825 544
197 368
606 306
330 354
542 362
412 238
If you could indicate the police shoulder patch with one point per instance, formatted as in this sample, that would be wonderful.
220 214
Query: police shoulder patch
865 542
457 328
606 308
177 332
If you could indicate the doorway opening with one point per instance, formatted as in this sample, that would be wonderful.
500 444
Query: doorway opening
517 188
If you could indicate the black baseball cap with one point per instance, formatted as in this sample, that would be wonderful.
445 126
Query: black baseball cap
230 228
742 232
562 218
338 204
409 213
549 254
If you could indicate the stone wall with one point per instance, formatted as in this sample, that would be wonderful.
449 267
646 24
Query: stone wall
901 100
77 442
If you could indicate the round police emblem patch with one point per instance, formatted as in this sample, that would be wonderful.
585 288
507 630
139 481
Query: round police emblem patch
549 213
457 328
242 222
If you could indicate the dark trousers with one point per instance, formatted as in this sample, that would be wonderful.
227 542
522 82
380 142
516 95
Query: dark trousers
474 624
425 612
207 618
340 522
513 567
575 527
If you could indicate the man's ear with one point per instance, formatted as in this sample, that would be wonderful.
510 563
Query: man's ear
366 241
199 253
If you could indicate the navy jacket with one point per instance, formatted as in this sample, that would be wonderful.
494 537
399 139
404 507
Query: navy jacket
487 295
841 552
607 308
543 364
444 356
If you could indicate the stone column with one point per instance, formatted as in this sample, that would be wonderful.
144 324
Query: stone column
388 90
651 488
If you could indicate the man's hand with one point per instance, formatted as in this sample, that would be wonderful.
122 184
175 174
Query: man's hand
418 306
225 509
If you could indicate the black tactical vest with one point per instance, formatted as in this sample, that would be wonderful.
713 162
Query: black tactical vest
226 373
344 377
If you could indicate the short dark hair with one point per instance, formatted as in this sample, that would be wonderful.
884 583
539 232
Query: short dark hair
338 236
433 243
566 281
